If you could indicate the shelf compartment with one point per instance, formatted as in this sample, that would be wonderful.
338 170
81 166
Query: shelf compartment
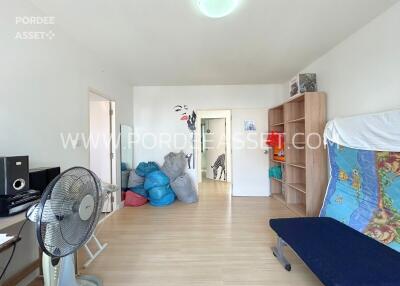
296 200
295 109
277 187
296 179
295 132
298 186
276 117
294 155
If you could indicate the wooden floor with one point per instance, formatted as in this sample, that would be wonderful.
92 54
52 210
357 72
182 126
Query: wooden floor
219 241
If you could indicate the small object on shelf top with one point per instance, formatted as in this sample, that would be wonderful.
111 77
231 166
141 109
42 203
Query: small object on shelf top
304 82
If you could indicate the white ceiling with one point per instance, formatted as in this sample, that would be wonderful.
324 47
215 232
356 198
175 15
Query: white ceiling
168 42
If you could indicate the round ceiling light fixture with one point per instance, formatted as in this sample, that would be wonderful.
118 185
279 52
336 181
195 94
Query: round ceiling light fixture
217 8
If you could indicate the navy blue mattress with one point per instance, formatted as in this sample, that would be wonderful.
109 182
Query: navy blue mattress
339 255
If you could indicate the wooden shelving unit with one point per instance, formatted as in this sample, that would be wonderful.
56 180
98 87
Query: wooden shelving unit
305 168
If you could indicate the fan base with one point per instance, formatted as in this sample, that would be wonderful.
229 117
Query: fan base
86 280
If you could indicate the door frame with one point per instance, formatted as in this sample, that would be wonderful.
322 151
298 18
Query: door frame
214 114
113 147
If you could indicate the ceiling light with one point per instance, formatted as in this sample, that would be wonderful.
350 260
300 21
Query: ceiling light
217 8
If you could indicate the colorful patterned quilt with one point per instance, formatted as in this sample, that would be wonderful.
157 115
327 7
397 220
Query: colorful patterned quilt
364 192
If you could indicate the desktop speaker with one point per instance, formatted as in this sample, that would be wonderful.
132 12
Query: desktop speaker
14 175
39 178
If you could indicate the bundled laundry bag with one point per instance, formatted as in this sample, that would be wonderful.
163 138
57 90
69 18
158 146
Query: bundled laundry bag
134 200
134 179
161 196
185 189
174 165
156 179
143 169
159 191
140 190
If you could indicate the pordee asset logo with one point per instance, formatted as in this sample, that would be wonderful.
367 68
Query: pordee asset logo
35 35
35 21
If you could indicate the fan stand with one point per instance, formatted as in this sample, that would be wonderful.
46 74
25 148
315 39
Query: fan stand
100 247
66 275
88 280
92 256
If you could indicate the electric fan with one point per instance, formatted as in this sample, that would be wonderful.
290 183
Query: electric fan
65 219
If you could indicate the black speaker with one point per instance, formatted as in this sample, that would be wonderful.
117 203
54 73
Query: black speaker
39 178
14 175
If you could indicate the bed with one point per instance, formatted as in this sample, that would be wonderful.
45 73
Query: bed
356 239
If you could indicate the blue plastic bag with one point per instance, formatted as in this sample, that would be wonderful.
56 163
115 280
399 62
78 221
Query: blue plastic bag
140 191
143 169
157 193
165 201
155 179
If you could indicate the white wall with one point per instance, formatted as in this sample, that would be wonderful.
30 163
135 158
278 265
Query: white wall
153 110
44 91
361 75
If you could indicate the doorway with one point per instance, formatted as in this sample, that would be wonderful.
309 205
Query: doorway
102 159
213 137
214 147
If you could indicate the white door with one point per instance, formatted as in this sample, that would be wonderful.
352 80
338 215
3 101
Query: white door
250 163
215 149
100 134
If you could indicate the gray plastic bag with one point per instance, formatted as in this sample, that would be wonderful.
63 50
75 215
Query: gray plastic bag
174 165
134 179
184 189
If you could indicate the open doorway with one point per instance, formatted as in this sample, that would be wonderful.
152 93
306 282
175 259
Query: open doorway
214 147
102 142
213 159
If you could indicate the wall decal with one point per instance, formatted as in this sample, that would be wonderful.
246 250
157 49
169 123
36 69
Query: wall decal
190 119
189 159
183 111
